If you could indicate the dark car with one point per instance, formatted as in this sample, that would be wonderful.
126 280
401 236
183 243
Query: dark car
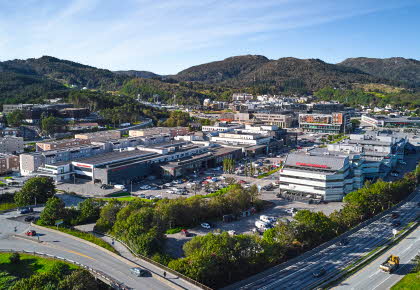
25 210
320 272
29 218
395 215
138 271
396 223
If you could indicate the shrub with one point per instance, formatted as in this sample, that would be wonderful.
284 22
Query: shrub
14 258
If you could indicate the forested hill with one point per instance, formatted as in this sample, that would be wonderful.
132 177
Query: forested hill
249 70
65 72
138 74
395 68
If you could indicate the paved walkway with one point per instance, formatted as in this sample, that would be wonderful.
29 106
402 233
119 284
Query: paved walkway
128 255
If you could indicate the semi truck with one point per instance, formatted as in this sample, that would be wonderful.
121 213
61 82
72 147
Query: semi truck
391 264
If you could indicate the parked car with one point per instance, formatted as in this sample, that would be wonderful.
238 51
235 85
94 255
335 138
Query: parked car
320 272
25 210
394 215
231 232
206 226
31 233
185 233
138 271
396 223
395 174
29 218
142 195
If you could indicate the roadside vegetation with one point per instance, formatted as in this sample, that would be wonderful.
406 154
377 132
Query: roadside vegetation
411 280
219 259
22 271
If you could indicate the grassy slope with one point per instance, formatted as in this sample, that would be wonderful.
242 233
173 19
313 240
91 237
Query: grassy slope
28 265
410 281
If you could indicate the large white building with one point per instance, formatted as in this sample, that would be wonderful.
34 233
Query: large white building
325 177
241 138
330 173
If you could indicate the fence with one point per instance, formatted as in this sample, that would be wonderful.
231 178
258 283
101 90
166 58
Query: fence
98 274
163 267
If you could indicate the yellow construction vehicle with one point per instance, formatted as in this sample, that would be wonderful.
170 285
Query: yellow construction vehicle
391 264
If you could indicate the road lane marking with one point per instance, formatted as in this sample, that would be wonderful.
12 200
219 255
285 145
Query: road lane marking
408 248
66 250
374 274
80 254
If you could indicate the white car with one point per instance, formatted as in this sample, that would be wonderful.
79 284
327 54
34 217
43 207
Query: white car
205 226
231 233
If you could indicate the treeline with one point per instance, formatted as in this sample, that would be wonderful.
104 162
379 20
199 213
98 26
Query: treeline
357 97
219 260
142 224
115 109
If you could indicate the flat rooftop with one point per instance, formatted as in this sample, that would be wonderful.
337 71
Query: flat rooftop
114 157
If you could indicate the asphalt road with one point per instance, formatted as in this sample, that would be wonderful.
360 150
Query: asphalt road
298 273
59 245
371 277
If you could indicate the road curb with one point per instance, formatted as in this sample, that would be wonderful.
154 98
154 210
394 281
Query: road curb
122 259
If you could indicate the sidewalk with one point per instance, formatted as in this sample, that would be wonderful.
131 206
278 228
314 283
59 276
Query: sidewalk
124 252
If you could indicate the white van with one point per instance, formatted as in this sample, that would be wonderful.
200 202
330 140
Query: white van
267 219
263 225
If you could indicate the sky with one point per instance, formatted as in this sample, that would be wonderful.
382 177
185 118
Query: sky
167 36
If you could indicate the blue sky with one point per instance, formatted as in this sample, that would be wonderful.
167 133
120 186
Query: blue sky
167 36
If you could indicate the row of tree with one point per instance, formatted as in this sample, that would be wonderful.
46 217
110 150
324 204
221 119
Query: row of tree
218 260
142 224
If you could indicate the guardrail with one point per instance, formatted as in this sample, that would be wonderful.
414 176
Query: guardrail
163 267
98 274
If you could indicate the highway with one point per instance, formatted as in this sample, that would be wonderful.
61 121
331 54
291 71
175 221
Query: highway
297 273
59 245
370 277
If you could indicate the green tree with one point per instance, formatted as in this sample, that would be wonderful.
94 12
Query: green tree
89 210
35 190
53 211
78 280
14 258
51 125
15 118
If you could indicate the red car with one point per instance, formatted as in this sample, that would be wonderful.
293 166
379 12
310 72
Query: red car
242 181
31 233
185 232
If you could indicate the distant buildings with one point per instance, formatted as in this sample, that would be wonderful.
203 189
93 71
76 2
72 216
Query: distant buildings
60 144
242 97
11 144
100 135
330 173
333 123
8 163
282 120
382 121
221 127
171 131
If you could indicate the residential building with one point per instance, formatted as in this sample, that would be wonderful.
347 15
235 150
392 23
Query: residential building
100 135
281 120
10 144
61 144
242 97
8 163
333 123
172 131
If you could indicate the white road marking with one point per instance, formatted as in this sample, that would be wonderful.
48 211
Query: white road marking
374 274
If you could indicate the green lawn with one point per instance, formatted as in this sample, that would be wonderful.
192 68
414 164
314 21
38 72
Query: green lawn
174 230
127 198
7 205
410 281
28 265
268 173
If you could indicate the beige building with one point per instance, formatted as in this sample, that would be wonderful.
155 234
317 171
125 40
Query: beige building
8 163
60 144
100 136
172 131
280 120
10 144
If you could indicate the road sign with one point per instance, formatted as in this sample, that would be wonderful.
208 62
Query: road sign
394 232
59 222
